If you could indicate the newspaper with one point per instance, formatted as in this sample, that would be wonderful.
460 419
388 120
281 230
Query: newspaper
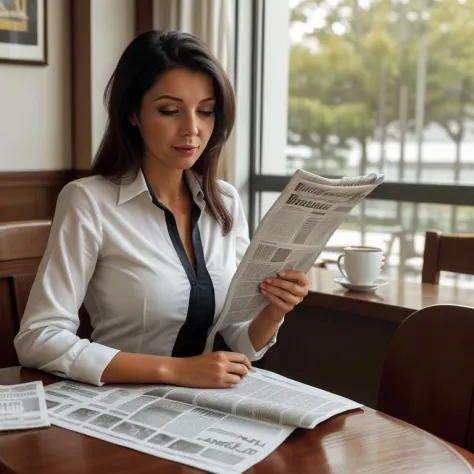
291 236
218 430
23 406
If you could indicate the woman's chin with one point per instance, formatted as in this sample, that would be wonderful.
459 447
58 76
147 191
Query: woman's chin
183 164
172 161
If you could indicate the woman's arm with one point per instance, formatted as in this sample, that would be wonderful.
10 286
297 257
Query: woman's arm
47 338
284 294
126 367
264 326
253 338
213 370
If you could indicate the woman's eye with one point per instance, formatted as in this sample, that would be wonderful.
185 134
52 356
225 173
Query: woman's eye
168 112
207 113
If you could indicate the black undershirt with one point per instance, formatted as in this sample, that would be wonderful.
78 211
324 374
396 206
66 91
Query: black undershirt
192 336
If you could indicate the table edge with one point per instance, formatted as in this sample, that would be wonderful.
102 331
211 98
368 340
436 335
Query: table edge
466 456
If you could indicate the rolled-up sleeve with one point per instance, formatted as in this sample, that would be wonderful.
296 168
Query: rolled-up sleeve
237 338
236 335
47 337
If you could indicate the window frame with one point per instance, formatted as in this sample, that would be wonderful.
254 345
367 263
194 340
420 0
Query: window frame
397 191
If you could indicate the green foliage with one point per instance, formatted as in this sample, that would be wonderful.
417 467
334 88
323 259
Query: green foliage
346 70
451 66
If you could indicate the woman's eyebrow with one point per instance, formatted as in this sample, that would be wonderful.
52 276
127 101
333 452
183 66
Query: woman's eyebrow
177 99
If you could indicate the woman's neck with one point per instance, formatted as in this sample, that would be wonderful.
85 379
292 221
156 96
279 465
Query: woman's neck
167 184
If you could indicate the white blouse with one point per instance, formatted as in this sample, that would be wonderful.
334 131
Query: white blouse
110 248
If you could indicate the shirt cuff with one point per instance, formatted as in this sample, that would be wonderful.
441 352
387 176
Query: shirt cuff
245 346
91 363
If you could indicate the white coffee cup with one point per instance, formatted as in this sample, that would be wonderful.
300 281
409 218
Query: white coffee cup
361 265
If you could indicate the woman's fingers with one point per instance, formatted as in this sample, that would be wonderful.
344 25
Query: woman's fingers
233 363
278 302
238 357
297 276
283 294
290 287
237 369
231 379
287 291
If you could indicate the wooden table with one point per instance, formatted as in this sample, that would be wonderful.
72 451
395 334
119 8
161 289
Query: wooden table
392 302
337 339
362 441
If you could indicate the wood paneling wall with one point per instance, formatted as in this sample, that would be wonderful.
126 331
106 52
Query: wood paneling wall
333 350
81 92
31 194
143 15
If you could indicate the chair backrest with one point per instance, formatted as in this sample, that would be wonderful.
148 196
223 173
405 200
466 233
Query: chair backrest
22 245
448 252
428 375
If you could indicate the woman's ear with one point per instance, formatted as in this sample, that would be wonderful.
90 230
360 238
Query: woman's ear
133 120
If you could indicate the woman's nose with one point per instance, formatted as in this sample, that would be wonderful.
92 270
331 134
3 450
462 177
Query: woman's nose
189 125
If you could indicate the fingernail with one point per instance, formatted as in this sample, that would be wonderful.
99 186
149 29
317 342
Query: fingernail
281 274
268 280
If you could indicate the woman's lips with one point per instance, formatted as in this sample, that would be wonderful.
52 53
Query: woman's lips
186 149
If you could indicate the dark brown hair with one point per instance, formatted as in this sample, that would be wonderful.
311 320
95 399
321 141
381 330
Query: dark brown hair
145 59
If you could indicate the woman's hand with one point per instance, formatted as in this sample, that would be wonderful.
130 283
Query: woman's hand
286 292
213 370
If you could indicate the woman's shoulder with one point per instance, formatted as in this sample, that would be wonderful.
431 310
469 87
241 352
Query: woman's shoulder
228 189
231 199
95 188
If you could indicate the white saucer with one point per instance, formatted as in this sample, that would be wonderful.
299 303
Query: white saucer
380 281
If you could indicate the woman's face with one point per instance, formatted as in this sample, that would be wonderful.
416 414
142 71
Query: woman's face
177 119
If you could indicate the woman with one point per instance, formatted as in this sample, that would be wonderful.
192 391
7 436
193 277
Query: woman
150 241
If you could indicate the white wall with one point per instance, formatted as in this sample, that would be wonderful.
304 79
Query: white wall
275 91
112 28
35 104
35 101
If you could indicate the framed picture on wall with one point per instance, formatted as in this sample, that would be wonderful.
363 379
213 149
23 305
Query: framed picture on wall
23 29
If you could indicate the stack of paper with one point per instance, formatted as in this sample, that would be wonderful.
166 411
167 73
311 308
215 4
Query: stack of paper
23 406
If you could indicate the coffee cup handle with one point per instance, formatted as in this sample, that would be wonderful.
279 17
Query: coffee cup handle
339 265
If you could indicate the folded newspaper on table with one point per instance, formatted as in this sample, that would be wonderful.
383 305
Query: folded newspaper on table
218 430
23 406
291 236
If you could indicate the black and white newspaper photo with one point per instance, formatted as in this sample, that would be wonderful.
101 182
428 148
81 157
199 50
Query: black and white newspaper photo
217 430
23 406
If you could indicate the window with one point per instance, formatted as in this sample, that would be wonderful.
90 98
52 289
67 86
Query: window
348 87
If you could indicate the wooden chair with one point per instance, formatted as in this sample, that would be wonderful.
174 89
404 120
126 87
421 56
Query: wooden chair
451 253
22 245
428 375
